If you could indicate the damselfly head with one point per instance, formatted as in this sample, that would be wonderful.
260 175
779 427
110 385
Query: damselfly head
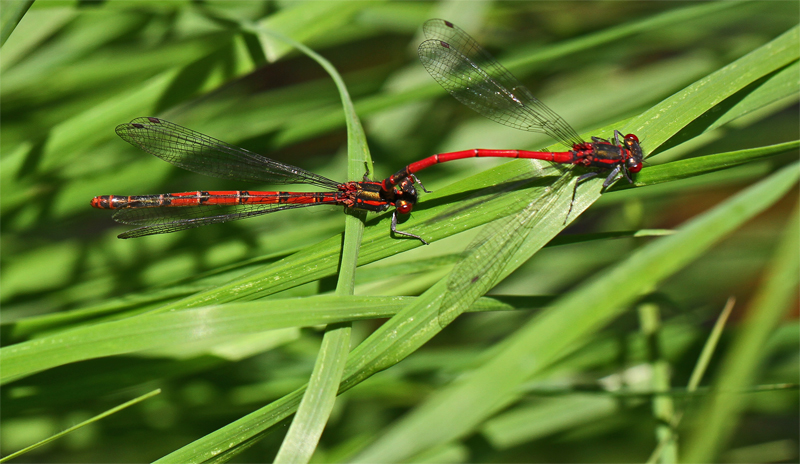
405 196
634 163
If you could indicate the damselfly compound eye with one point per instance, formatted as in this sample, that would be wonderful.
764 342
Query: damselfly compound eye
633 165
404 206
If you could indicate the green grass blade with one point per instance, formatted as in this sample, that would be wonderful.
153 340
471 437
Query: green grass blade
662 406
692 167
222 322
315 408
709 347
10 15
96 418
667 441
669 117
781 84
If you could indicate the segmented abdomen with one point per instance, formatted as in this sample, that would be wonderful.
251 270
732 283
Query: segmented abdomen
234 197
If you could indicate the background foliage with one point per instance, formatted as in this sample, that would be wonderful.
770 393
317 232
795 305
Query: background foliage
227 320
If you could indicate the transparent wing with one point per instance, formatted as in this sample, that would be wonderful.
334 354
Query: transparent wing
171 219
206 155
486 257
471 75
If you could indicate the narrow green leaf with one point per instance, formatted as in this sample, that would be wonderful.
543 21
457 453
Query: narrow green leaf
692 167
96 418
314 410
155 329
673 114
668 440
10 15
662 405
710 346
301 440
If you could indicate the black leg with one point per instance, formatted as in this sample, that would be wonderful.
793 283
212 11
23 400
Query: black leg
420 184
610 179
627 175
366 174
394 229
617 136
582 178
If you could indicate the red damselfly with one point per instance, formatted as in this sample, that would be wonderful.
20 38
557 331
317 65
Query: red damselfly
477 80
193 151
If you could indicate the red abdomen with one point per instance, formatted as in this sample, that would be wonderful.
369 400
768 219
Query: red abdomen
233 197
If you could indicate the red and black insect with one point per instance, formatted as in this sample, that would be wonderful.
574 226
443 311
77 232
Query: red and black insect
193 151
477 80
452 57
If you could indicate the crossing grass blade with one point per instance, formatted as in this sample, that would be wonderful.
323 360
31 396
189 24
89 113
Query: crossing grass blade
318 400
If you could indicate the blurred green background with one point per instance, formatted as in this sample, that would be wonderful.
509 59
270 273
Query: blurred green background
72 71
